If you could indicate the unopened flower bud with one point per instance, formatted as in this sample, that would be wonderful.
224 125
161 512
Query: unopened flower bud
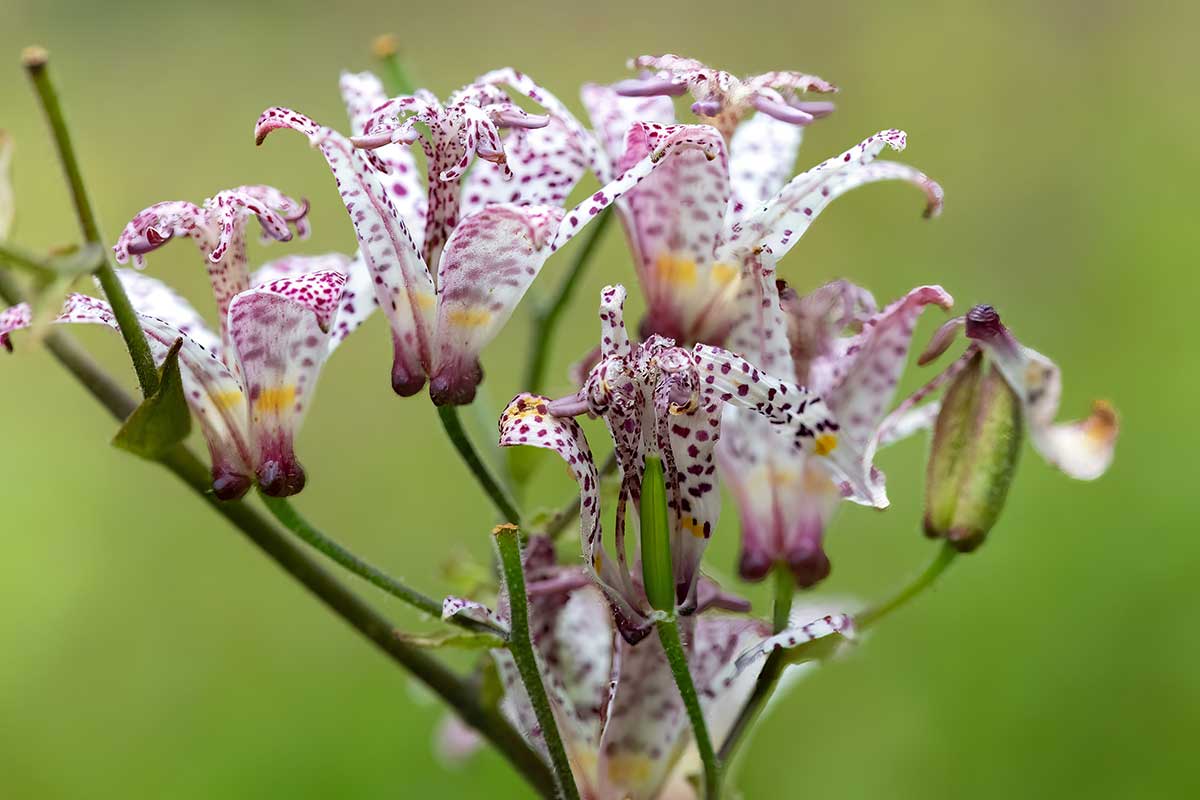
974 456
656 538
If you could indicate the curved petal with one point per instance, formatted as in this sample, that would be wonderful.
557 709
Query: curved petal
762 154
675 219
780 222
358 301
527 421
363 93
613 114
154 226
545 165
811 426
154 298
1082 449
280 331
403 285
810 641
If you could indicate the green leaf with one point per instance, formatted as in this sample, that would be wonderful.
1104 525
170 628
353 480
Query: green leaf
457 641
162 420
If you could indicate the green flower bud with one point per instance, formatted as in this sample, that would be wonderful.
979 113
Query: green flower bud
976 440
656 538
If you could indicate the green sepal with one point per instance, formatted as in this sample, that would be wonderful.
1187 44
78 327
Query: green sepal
162 420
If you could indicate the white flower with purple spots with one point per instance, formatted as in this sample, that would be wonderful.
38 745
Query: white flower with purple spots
486 239
665 401
697 225
618 710
250 385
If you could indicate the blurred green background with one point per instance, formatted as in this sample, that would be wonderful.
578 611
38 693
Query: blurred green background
146 650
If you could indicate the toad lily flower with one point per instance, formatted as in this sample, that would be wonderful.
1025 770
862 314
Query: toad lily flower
1082 449
616 705
724 98
696 226
664 401
786 497
250 385
493 252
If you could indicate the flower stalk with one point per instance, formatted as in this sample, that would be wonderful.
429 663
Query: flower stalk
521 647
668 634
943 559
499 496
35 60
287 515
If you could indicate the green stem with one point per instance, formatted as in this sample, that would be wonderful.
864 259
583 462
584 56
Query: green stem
668 634
943 559
36 60
276 545
26 262
396 80
495 491
521 647
287 515
768 678
546 318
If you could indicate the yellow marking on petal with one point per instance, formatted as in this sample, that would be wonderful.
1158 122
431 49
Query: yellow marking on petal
275 400
226 400
426 301
825 444
724 274
780 478
470 317
676 270
629 768
597 560
693 526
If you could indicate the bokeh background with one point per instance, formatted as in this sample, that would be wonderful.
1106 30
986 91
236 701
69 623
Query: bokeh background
146 650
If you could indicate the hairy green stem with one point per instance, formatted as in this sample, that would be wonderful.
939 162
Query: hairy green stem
36 60
768 678
668 634
395 77
547 316
521 646
494 489
287 515
944 558
276 545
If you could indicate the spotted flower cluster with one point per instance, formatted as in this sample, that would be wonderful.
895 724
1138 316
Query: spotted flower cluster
734 377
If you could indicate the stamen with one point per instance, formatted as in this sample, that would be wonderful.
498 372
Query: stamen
569 406
649 87
706 108
515 118
372 141
781 111
983 322
814 108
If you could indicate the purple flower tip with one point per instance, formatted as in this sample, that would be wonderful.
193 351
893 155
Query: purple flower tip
229 485
983 322
649 87
519 119
706 108
782 111
279 479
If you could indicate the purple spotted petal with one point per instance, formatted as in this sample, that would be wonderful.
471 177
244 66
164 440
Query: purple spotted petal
281 334
613 115
546 163
762 155
780 222
403 285
362 93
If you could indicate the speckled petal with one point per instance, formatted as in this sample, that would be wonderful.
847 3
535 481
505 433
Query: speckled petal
612 116
151 297
675 219
363 93
1082 449
527 421
403 285
545 165
281 334
762 155
781 221
829 630
156 225
358 301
